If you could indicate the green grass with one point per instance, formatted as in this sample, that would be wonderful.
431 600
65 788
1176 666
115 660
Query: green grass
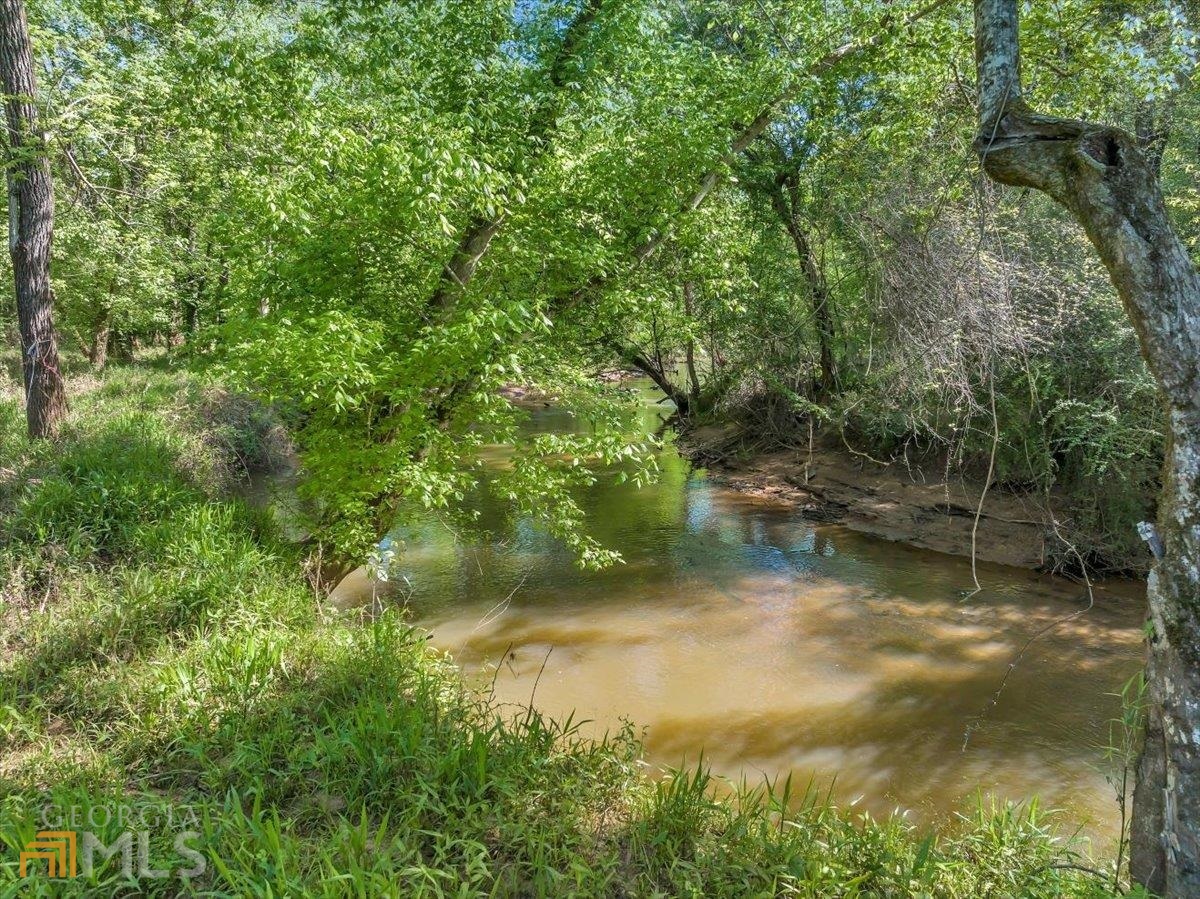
162 649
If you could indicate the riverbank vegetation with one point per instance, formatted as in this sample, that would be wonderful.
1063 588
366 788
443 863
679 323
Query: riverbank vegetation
373 216
379 214
164 649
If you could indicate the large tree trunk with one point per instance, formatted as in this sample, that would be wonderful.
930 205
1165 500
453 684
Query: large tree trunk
1152 128
458 272
30 226
1101 175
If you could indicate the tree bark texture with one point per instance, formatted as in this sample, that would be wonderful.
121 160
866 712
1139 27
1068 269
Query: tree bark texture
30 226
1107 182
689 307
101 330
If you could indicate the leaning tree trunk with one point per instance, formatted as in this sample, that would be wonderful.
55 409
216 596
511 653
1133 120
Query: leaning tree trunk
1101 175
656 373
30 226
477 238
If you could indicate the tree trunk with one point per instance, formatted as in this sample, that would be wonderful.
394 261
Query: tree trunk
197 285
101 329
191 318
689 306
175 326
656 374
1101 175
814 277
459 271
30 226
1152 130
477 238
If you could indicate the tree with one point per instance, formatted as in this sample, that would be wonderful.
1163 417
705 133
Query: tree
785 200
477 237
30 226
1101 175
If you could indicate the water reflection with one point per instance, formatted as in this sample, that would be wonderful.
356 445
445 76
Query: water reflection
777 646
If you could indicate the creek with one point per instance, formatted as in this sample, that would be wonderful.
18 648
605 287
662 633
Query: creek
774 646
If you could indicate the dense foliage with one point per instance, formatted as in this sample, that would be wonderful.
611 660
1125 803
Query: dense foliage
374 216
379 213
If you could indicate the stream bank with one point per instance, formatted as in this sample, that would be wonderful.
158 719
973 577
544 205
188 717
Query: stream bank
909 504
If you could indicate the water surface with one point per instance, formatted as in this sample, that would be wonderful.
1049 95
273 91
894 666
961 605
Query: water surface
773 645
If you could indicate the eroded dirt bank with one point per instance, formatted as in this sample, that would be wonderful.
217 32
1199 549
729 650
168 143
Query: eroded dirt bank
897 502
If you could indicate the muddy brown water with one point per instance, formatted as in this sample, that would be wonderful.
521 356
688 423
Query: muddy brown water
775 646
